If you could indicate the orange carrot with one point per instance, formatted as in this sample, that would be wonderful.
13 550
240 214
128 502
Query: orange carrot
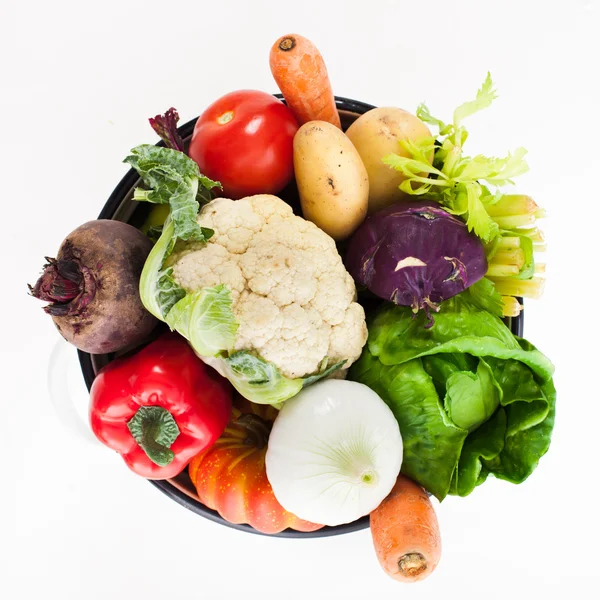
301 74
405 532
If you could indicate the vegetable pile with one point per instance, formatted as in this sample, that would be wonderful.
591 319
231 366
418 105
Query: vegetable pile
308 326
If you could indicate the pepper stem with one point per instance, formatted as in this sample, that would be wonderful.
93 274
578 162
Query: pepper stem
155 430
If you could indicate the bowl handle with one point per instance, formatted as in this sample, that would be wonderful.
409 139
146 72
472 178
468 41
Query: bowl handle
63 397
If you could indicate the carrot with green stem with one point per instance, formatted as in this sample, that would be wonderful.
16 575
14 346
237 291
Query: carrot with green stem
406 533
300 72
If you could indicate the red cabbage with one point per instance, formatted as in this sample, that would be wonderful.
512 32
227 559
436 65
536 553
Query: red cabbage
415 254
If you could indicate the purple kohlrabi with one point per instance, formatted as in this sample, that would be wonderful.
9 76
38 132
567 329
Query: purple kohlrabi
415 254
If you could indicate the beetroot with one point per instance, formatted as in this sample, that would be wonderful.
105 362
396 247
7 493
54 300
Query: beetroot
415 254
92 287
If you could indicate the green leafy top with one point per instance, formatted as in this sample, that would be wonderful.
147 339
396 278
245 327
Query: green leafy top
172 178
454 180
175 179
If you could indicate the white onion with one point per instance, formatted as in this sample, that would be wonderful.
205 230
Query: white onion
334 452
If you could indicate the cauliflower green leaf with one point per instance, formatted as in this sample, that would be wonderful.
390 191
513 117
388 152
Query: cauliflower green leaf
158 290
175 179
262 381
206 319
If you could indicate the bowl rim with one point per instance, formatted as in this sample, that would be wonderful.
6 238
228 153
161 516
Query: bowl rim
115 200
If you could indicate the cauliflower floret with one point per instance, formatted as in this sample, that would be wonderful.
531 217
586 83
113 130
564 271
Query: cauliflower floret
284 274
292 297
270 208
346 339
335 293
260 320
301 346
207 266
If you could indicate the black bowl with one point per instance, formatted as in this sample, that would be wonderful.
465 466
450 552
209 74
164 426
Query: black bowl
120 206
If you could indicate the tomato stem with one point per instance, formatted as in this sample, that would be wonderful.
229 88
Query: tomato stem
225 118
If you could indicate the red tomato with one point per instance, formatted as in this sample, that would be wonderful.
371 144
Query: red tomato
245 141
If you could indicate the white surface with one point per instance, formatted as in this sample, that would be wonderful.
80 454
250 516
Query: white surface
78 81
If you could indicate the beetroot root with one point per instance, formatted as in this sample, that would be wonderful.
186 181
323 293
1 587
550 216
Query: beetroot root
92 287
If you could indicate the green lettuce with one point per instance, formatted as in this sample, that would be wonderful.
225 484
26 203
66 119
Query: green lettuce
483 294
471 399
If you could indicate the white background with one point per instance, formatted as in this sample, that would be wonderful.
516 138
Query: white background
77 83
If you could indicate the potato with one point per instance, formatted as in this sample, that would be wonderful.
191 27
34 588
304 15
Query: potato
376 134
331 178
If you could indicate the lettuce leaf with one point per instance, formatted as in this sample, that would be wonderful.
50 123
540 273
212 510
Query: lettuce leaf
483 294
471 399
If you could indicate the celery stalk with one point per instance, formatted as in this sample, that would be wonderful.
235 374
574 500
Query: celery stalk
515 221
512 205
509 243
534 234
530 288
510 257
511 306
501 270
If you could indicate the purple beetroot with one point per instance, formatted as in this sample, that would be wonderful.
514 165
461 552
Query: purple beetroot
92 287
415 254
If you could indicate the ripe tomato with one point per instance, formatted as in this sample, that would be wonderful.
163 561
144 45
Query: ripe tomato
230 476
245 141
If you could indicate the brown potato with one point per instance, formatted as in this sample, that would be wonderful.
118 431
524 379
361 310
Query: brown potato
331 178
376 134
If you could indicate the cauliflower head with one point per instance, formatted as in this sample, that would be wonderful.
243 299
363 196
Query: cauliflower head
292 298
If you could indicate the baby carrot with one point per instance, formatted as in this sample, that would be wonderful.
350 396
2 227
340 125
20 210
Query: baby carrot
405 532
300 72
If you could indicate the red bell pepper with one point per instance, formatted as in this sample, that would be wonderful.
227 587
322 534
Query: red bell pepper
159 407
